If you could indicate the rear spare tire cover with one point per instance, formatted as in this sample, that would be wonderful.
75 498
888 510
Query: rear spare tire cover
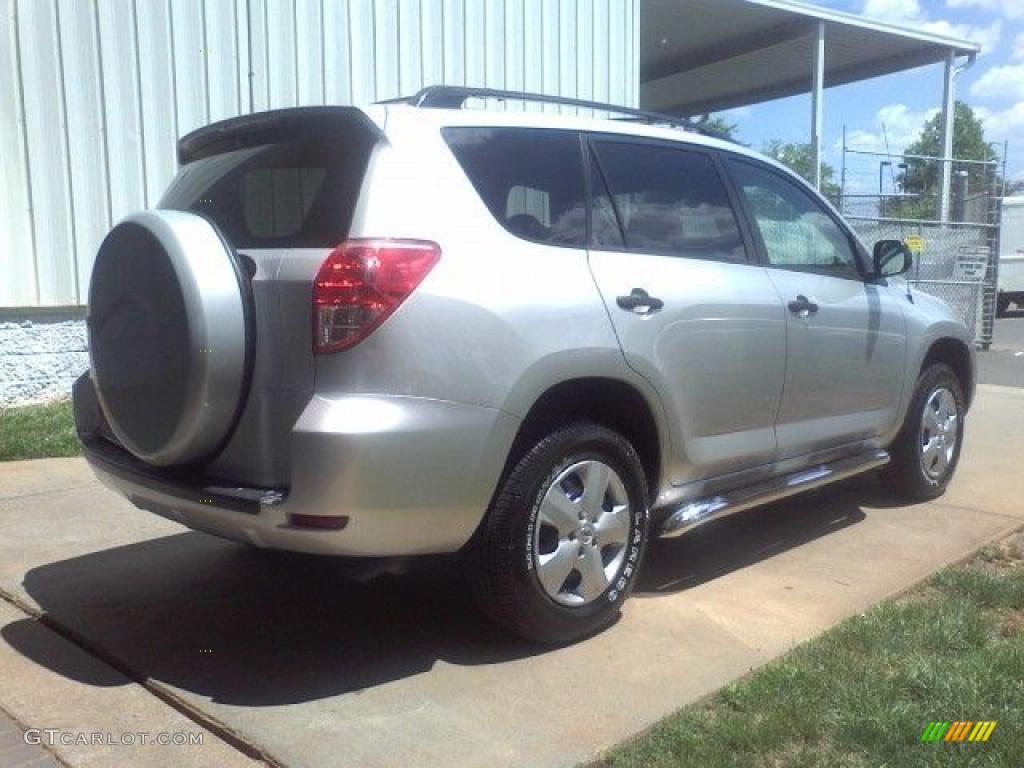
169 336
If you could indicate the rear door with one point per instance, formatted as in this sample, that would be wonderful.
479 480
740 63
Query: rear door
281 188
692 313
846 337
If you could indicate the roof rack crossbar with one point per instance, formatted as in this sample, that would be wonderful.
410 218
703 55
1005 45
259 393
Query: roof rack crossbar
455 97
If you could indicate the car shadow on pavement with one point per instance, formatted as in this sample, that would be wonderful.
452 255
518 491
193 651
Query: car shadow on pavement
252 628
730 543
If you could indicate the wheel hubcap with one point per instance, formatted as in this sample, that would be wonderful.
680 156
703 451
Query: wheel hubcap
579 540
939 433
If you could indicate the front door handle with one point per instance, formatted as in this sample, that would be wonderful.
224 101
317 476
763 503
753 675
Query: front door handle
640 301
802 306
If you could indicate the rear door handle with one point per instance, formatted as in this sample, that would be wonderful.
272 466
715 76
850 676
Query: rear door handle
640 301
802 306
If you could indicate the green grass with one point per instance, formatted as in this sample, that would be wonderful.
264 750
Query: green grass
37 431
863 693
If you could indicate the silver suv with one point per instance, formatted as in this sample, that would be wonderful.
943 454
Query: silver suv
529 338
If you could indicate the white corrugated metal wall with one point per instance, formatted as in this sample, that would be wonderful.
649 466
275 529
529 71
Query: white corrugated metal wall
94 93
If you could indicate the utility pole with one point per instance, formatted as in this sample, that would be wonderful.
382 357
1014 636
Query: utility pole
948 114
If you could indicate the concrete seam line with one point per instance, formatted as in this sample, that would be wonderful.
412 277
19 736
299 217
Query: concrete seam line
975 510
46 493
24 727
227 734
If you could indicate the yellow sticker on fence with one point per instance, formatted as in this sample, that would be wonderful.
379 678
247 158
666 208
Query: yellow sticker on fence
915 243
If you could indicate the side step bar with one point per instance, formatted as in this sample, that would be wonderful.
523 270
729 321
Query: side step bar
693 513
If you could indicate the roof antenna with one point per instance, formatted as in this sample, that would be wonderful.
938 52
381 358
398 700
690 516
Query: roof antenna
892 174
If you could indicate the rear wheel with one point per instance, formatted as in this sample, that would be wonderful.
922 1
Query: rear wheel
927 450
559 550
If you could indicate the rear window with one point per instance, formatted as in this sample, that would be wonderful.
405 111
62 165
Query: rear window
531 180
298 194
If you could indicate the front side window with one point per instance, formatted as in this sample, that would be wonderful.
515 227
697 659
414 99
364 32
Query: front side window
670 201
797 231
531 180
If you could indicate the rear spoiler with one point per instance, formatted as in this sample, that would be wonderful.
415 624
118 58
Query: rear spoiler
273 126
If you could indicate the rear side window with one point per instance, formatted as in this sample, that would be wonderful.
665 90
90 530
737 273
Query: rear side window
531 180
297 194
670 201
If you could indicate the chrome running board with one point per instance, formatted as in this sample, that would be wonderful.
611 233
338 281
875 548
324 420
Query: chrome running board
693 513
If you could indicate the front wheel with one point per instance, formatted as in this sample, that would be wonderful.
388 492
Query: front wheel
927 449
561 545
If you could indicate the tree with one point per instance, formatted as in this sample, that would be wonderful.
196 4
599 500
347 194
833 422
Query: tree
800 159
923 177
719 126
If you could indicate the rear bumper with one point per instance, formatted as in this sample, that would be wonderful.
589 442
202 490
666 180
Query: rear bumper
413 476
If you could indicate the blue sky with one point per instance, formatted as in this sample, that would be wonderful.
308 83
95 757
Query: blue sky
994 86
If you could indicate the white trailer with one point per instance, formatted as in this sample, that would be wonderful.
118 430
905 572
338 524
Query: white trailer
1011 255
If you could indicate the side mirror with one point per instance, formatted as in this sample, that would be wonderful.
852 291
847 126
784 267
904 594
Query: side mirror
891 258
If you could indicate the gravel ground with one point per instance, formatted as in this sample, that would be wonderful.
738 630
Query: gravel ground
39 361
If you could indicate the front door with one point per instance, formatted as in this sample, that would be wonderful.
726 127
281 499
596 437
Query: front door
693 315
845 336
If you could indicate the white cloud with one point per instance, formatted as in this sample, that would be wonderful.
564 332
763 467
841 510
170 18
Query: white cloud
893 10
1004 83
1005 125
987 37
1011 9
1018 47
911 13
897 125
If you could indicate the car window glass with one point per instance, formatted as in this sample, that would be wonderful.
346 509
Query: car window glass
797 231
277 200
298 194
529 201
670 201
604 226
530 179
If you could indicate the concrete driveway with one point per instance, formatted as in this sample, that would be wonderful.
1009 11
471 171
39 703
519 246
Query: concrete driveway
283 657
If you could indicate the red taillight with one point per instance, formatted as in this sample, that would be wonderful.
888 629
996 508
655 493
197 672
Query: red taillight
361 283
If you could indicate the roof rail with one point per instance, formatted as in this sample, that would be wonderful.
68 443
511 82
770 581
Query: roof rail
455 97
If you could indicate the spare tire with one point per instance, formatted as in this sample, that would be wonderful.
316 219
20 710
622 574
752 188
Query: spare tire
170 336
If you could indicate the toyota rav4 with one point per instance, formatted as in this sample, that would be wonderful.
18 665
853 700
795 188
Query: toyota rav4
531 338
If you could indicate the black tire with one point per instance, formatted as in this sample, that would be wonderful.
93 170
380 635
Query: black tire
1002 306
906 474
502 559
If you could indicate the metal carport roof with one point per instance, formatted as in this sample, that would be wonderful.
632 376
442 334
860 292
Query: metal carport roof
701 56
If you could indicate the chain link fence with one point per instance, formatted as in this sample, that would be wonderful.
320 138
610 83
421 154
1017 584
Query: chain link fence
951 262
955 242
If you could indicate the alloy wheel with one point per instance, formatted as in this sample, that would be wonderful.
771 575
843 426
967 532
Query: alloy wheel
939 433
579 539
